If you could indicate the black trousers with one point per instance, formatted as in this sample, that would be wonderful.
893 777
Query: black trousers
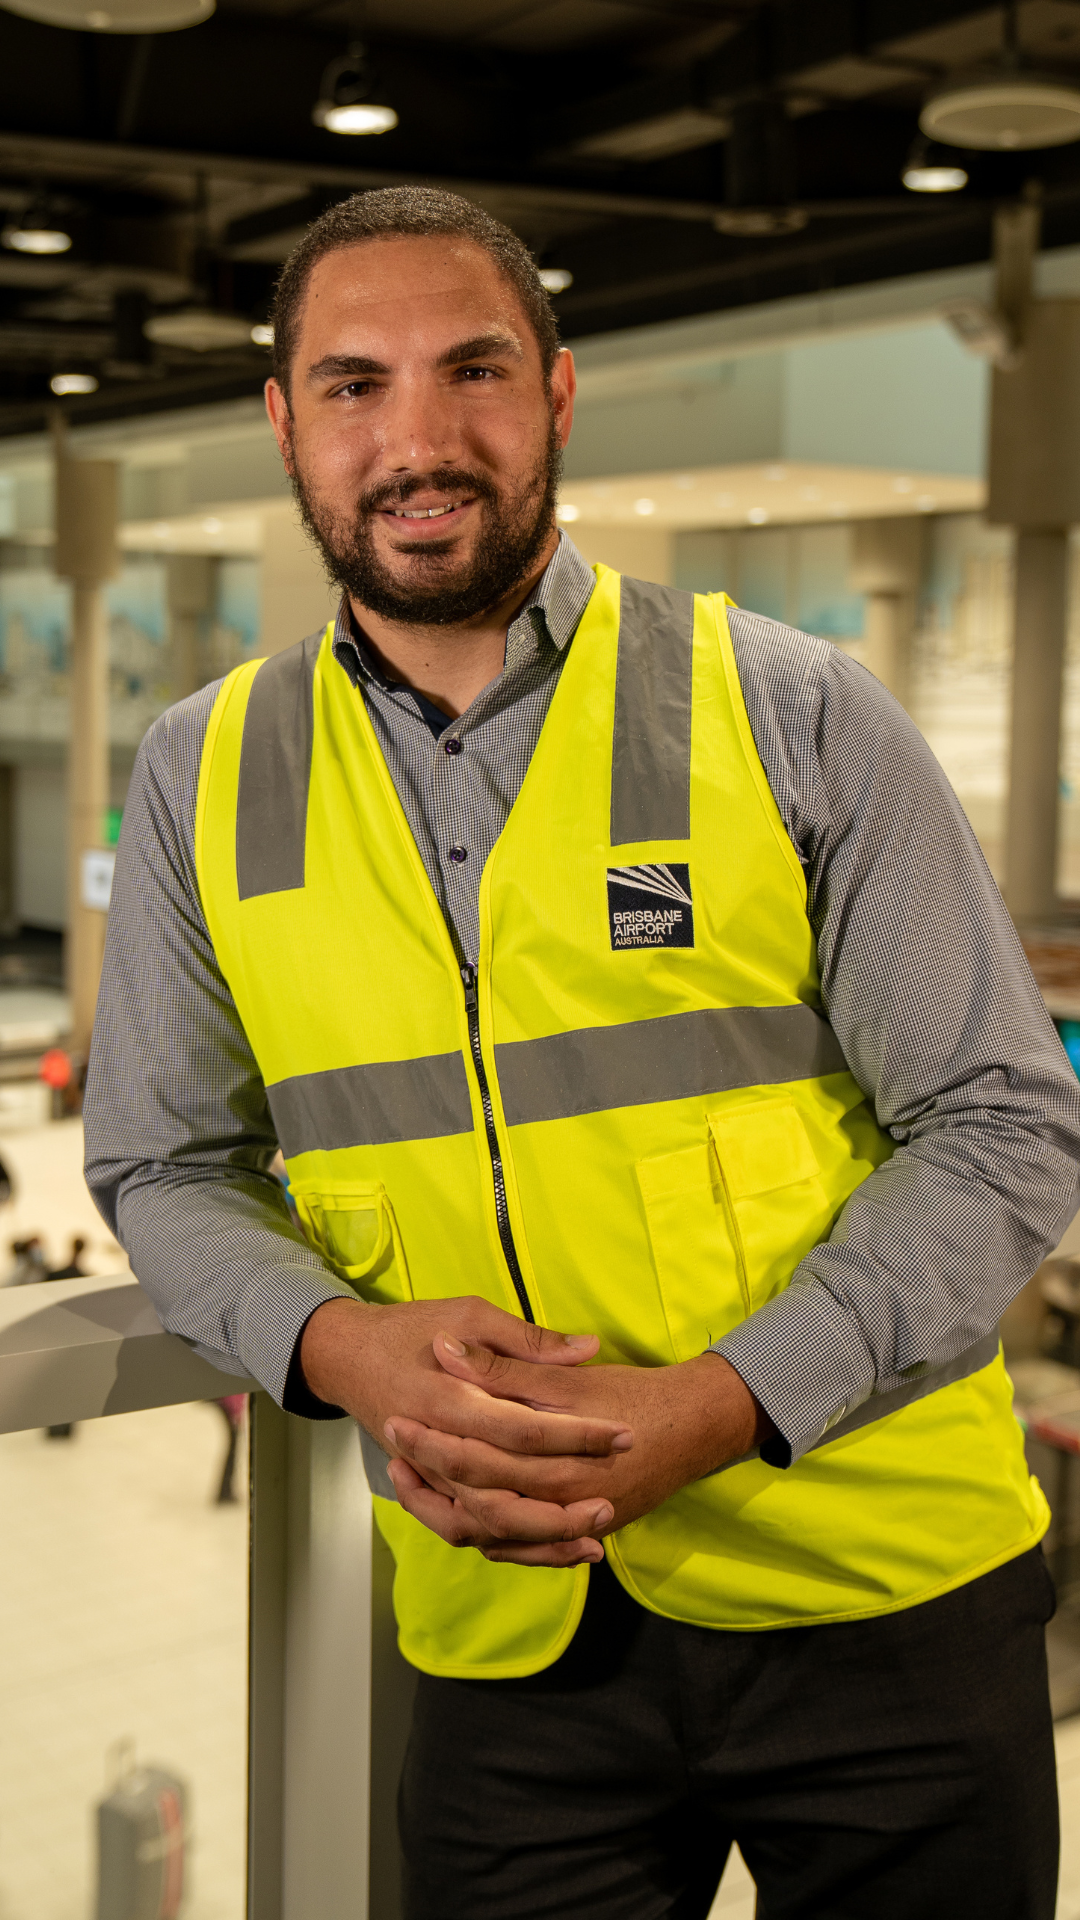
899 1767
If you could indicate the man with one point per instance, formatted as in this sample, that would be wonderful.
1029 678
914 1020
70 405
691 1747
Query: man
670 1114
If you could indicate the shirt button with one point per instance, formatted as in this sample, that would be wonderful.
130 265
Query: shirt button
458 854
453 745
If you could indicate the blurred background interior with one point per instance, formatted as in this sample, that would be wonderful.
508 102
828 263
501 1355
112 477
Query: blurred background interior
820 269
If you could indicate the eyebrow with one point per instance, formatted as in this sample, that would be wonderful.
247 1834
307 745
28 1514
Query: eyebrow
483 346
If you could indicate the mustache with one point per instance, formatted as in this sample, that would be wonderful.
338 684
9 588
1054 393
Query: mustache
398 493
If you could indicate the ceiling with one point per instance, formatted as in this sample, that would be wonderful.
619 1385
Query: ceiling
613 135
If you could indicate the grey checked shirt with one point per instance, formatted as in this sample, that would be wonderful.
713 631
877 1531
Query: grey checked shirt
922 977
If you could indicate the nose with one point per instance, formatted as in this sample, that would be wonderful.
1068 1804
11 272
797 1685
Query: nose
419 428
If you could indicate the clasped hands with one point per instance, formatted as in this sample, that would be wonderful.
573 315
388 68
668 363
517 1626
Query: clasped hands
502 1439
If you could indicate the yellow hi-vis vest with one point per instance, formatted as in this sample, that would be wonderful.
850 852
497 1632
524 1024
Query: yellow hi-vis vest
636 1122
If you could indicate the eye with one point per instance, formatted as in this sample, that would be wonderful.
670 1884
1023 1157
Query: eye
477 374
353 390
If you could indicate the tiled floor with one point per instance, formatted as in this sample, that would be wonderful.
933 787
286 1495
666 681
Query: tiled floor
122 1612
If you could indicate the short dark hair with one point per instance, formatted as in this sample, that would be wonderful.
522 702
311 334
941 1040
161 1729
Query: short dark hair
391 211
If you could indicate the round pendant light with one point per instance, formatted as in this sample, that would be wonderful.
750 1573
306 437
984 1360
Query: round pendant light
1004 111
114 16
344 104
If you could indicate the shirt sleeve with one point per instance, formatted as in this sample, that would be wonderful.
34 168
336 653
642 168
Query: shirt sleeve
179 1137
929 993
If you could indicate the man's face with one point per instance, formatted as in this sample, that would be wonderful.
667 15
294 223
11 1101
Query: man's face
421 436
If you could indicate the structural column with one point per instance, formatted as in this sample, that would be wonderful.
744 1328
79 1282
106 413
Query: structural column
86 554
885 567
1031 827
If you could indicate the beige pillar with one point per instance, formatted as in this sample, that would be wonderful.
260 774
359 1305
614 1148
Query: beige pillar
1031 836
190 586
295 595
1035 487
87 555
885 561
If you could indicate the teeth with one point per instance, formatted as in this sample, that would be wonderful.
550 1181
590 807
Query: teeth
424 513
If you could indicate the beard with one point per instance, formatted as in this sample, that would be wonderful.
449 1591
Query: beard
515 524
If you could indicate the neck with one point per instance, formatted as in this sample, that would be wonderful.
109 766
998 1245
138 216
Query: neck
450 666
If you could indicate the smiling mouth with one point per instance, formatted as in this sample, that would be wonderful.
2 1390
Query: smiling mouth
426 513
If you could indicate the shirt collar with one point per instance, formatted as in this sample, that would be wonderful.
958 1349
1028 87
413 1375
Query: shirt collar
558 600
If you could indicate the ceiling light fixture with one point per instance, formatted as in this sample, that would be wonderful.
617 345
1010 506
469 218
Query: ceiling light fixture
567 512
556 279
121 16
928 170
198 329
262 336
63 383
344 104
38 231
1004 108
645 506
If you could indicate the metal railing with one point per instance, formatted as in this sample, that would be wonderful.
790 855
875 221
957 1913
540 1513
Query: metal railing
329 1694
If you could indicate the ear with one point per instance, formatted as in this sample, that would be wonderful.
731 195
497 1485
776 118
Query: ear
277 408
563 390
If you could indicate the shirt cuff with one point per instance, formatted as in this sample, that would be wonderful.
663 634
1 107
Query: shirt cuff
270 1322
805 1361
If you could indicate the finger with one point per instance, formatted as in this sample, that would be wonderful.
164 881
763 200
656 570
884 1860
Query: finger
522 1340
465 1409
502 1374
500 1519
511 1516
571 1553
464 1461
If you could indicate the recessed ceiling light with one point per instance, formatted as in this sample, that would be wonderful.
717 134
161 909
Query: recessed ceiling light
644 506
556 279
810 493
925 502
567 511
902 484
723 499
685 480
776 473
262 336
62 383
838 507
213 526
757 516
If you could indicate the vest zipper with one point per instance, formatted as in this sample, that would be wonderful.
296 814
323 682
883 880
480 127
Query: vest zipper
502 1211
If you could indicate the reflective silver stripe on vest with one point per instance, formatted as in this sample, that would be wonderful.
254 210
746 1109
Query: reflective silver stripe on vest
674 1057
275 772
370 1106
650 761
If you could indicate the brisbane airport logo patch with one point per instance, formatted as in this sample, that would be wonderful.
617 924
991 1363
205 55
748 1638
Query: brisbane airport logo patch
650 906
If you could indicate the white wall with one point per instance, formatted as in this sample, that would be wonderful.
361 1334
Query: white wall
40 846
295 595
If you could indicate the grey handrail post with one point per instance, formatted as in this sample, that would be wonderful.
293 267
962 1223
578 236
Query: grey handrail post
330 1694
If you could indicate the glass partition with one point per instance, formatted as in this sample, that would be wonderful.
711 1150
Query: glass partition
123 1662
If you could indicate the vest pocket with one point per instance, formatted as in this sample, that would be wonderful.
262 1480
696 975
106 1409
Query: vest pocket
694 1248
776 1199
351 1223
729 1220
